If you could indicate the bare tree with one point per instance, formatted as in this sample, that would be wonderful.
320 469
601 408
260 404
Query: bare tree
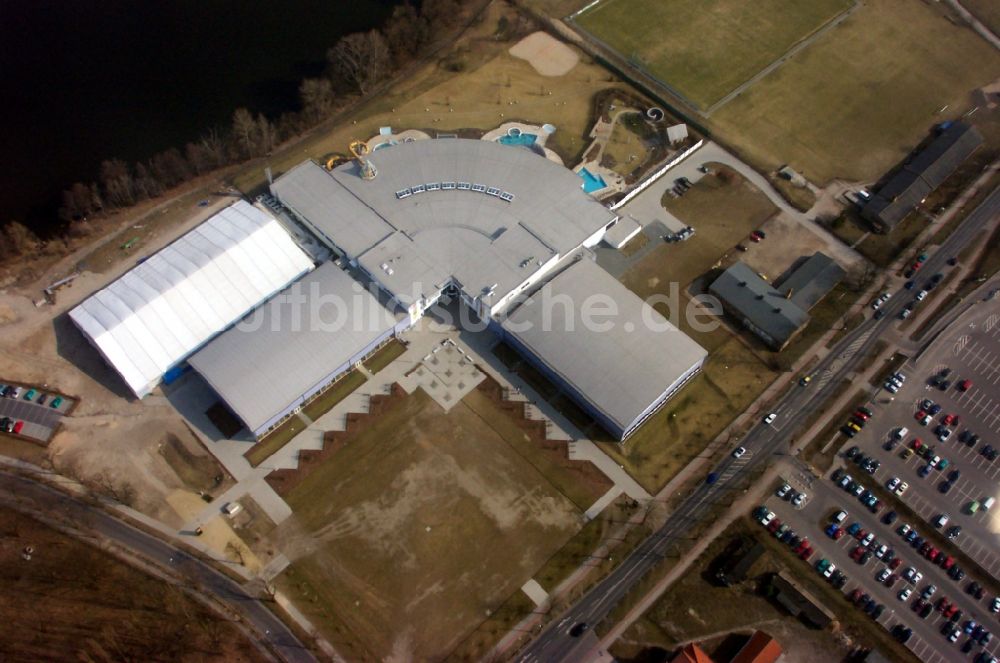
118 183
362 59
405 32
244 132
76 203
18 240
267 136
316 95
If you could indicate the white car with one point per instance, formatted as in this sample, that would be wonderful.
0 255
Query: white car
892 483
771 417
902 488
883 575
926 419
921 295
881 551
783 491
867 541
829 571
905 594
739 451
768 517
799 500
995 606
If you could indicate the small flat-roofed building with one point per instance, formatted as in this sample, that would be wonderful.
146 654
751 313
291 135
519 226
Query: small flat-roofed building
912 183
776 315
294 346
799 602
621 369
149 320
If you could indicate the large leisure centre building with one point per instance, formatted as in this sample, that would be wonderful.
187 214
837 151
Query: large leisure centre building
500 227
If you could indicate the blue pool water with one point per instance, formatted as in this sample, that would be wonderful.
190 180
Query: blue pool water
519 139
591 182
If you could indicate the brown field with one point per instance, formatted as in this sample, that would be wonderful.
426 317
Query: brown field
66 604
407 536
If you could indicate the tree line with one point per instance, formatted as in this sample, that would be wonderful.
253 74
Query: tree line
356 64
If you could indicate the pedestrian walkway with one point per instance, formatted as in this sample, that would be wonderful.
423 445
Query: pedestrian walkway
604 500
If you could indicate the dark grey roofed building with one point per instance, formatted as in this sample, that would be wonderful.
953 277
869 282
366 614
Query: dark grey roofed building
776 315
620 370
758 306
924 173
810 282
736 568
799 602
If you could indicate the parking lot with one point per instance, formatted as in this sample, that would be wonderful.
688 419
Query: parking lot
929 639
970 350
40 419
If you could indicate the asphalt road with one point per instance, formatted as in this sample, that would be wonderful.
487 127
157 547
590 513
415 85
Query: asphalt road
200 576
793 413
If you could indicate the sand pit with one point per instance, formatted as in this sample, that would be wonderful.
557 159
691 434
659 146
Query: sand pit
548 55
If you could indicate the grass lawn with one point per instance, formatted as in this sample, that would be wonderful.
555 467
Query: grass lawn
878 248
417 528
723 208
705 48
855 102
801 198
274 440
343 388
731 379
631 136
385 356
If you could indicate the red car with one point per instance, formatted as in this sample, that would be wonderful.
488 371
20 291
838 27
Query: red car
806 554
860 534
932 554
754 237
950 419
896 563
861 415
916 444
947 562
857 553
802 546
840 532
18 425
965 385
919 415
774 525
943 604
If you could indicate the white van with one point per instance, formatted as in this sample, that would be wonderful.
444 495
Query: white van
232 508
988 502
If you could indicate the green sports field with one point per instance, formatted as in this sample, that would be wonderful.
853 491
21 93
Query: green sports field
706 48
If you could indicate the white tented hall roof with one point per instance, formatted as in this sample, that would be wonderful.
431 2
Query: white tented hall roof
165 308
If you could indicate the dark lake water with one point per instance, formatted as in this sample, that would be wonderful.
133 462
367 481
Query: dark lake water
87 80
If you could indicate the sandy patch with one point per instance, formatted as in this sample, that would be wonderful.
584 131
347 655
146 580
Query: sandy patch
548 55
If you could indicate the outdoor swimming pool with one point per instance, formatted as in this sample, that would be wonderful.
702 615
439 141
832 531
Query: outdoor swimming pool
518 139
591 182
